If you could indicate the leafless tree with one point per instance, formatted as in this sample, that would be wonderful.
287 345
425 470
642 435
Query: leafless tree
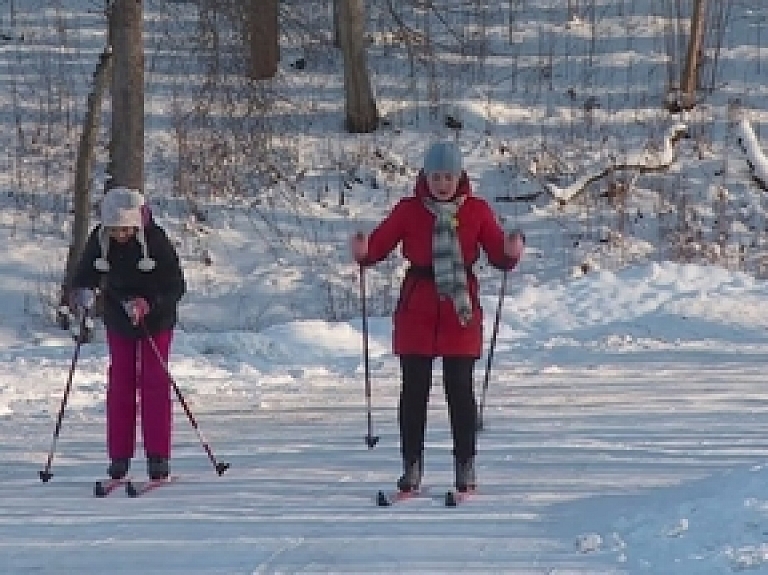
693 57
265 48
335 33
684 75
573 9
362 114
126 31
83 180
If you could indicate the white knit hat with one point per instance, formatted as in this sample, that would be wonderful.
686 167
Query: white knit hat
122 207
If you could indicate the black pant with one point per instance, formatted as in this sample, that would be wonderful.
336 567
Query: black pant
414 396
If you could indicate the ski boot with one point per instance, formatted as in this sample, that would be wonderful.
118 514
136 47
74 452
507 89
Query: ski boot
465 474
118 467
410 480
158 467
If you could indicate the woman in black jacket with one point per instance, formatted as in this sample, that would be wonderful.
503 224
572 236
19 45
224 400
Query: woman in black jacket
130 258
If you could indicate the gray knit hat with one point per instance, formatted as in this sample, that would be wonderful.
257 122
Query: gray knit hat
122 207
443 156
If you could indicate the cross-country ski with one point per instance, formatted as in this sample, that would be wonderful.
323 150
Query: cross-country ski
139 488
105 487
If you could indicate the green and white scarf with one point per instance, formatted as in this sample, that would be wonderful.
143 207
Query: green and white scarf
447 259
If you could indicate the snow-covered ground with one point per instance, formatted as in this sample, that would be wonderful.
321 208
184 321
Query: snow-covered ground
626 423
626 431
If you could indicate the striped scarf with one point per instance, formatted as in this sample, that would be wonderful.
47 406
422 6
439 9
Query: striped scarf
447 259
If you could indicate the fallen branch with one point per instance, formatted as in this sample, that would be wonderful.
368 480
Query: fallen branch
756 160
518 198
647 160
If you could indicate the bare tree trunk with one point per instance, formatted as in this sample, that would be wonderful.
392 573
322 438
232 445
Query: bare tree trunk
336 33
265 47
83 171
84 162
692 61
572 9
362 115
127 144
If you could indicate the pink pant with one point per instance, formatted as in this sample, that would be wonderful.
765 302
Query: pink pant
134 366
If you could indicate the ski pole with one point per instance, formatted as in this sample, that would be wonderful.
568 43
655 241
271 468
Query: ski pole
219 466
370 439
487 377
45 474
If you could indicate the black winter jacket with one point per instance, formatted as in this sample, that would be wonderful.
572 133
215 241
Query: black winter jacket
162 287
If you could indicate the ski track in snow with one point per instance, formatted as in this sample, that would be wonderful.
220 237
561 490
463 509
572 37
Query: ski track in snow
300 495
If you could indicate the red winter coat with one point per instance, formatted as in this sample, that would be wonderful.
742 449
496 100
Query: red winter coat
423 323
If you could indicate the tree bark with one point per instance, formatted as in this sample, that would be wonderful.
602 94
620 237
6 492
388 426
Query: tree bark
361 112
264 39
83 180
336 33
127 144
84 162
692 61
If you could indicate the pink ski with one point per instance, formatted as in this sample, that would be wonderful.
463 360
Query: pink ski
104 488
137 489
384 499
453 498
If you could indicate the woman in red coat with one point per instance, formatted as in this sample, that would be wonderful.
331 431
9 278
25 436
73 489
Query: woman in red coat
441 228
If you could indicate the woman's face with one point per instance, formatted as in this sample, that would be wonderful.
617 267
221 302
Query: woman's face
121 234
442 185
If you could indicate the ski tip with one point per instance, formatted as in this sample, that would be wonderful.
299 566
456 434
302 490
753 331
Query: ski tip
138 489
382 500
454 497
